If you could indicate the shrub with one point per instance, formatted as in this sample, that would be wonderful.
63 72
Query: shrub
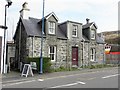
99 66
61 68
92 66
46 63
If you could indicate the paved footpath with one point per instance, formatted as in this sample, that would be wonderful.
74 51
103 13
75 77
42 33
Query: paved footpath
16 76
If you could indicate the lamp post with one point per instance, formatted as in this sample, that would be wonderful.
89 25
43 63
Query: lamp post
9 3
3 27
41 56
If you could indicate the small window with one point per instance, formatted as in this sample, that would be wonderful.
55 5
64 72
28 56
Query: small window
92 58
75 29
52 53
92 34
51 27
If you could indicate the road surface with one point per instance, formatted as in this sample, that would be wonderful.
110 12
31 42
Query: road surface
104 78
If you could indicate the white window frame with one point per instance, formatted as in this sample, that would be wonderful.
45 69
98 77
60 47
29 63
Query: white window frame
92 34
75 29
51 27
54 53
92 54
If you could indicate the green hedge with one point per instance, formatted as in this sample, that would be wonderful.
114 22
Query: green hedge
46 63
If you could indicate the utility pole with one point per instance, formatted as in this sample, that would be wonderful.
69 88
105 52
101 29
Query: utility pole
41 56
9 3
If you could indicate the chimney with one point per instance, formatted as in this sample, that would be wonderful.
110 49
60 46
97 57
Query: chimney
24 13
87 20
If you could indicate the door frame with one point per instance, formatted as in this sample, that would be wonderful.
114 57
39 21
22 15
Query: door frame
75 57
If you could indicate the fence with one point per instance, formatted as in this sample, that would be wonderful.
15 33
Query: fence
113 58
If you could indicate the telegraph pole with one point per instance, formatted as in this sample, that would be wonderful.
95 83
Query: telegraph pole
9 3
41 56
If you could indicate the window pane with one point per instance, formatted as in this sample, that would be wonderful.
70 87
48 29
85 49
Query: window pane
51 27
75 29
52 52
74 33
92 34
52 57
51 49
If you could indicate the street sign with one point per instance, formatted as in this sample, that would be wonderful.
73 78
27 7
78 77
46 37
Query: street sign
27 70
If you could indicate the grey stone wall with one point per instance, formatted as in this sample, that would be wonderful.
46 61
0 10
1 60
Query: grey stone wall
70 44
100 53
86 53
64 50
34 46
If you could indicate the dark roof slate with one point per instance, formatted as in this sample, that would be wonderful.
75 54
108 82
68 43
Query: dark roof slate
87 25
61 34
99 40
86 39
32 28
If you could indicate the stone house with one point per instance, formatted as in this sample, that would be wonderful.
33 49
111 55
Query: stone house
68 44
94 45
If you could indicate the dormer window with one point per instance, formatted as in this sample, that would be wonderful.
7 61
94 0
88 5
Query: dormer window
92 34
74 32
51 27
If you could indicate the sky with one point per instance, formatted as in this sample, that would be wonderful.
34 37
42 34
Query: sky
103 12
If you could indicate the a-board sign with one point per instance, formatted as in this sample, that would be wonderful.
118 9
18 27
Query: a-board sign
27 70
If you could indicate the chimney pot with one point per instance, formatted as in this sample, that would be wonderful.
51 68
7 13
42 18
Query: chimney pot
24 13
87 20
25 5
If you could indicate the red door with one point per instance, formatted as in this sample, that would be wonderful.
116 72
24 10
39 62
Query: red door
75 56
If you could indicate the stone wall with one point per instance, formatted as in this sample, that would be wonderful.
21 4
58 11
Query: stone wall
70 44
34 46
86 54
100 53
64 50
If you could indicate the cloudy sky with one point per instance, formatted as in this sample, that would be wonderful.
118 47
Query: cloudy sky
103 12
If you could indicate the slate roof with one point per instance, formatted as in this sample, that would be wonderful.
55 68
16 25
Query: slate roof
47 16
86 25
86 39
61 34
98 38
32 28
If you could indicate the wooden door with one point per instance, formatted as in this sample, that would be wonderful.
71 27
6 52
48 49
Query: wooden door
74 56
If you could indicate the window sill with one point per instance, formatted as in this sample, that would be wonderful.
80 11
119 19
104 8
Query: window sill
74 36
52 34
93 61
